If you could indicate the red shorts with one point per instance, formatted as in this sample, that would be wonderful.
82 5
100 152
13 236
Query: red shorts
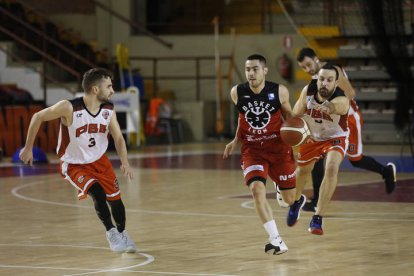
317 149
82 176
258 163
355 123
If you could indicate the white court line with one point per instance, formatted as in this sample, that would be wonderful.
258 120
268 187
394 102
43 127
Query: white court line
16 194
136 156
89 271
149 260
154 272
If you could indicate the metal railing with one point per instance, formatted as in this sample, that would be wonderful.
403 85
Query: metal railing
197 76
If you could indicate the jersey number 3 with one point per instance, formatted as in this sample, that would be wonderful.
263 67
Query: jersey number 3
92 142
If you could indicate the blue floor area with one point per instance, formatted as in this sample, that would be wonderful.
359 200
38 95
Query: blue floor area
403 163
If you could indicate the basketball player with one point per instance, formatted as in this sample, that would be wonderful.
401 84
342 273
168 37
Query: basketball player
85 123
262 105
325 109
310 63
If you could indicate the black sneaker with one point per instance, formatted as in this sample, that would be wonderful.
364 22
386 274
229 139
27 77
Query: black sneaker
294 211
310 206
390 177
276 247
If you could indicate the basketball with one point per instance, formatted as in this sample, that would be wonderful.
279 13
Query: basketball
294 131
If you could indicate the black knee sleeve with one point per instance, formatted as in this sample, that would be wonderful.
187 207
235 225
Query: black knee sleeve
118 213
369 163
101 207
318 173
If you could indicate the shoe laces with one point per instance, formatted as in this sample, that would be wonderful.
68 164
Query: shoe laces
317 220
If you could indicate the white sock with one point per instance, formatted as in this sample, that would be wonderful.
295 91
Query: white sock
271 229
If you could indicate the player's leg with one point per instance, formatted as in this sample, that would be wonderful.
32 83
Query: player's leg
303 174
113 196
83 178
118 213
101 207
361 161
255 171
329 182
276 245
317 176
116 243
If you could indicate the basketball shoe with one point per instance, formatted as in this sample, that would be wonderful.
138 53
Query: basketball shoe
310 206
315 226
390 177
130 245
294 211
276 246
115 240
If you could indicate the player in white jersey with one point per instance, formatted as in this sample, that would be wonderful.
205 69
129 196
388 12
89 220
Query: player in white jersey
85 125
325 109
311 64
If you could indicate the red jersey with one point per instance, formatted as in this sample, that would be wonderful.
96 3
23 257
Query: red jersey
260 116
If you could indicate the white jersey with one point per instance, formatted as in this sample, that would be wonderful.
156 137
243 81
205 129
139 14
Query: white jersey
86 140
324 126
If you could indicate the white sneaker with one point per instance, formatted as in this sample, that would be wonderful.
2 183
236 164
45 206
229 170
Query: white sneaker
115 240
130 245
276 247
279 197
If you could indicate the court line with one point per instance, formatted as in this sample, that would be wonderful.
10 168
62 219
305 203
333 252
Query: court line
16 194
89 271
149 260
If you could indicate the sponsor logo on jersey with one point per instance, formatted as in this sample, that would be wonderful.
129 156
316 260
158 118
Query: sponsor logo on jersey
258 114
116 183
81 178
271 96
286 176
105 114
91 128
317 114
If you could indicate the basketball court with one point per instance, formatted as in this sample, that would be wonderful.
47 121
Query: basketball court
190 214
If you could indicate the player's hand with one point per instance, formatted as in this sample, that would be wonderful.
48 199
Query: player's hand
229 149
26 155
127 171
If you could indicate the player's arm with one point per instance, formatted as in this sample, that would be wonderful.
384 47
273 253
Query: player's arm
231 146
120 146
62 109
300 106
285 102
345 84
338 105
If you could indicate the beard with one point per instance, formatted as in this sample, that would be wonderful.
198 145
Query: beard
103 98
325 93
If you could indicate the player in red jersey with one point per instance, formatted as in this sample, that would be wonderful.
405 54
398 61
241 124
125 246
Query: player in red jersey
262 106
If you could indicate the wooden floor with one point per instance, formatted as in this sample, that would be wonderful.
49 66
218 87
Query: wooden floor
190 214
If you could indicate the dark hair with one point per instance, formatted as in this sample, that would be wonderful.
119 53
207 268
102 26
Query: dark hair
330 66
261 58
92 76
305 52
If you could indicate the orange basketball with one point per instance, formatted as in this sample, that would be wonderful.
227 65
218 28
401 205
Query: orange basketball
294 131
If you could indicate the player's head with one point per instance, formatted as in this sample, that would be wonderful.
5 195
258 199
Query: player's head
98 81
255 69
327 80
308 61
